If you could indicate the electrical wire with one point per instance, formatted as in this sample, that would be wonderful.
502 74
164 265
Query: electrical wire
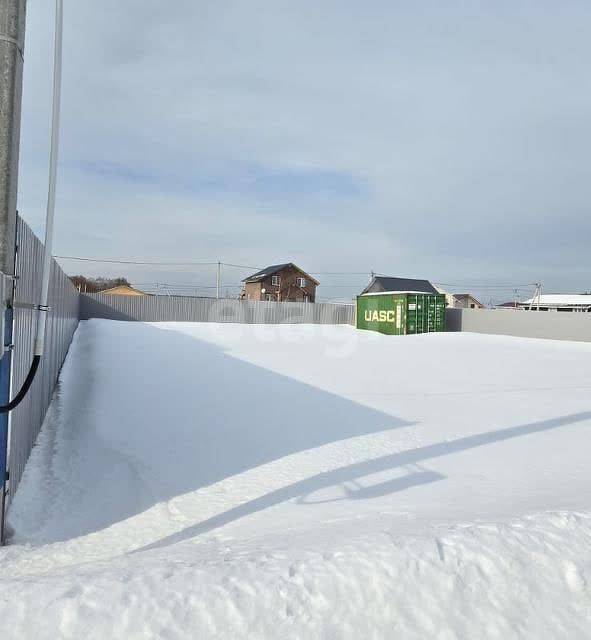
200 263
25 388
139 262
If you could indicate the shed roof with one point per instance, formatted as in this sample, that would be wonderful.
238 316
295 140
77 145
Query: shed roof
386 284
273 269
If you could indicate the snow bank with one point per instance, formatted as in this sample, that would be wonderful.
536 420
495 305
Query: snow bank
236 481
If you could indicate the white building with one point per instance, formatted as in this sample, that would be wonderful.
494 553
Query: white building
559 302
459 300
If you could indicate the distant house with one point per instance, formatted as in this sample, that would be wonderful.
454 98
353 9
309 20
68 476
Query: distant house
386 284
123 290
280 283
450 301
466 301
460 300
559 302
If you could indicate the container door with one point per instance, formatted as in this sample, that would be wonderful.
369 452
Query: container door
430 313
413 312
440 313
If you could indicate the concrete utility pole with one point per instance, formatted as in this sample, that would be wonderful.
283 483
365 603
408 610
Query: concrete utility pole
217 280
12 36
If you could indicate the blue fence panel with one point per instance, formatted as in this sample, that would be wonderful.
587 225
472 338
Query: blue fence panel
4 399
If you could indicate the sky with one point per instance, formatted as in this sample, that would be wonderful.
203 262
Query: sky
441 140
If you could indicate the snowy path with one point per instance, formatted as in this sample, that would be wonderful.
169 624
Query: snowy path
203 480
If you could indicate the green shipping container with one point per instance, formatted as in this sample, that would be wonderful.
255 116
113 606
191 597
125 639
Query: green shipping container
400 314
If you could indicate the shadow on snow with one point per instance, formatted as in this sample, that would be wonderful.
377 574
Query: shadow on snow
190 417
352 472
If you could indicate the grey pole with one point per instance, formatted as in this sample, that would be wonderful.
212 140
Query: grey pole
12 36
217 281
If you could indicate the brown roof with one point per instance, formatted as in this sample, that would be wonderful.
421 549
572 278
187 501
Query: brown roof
123 290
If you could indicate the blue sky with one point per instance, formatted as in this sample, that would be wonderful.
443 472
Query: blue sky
423 139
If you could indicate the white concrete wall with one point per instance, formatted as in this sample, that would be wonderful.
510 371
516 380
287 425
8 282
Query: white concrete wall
528 324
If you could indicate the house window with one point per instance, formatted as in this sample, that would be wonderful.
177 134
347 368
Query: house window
301 282
275 281
270 297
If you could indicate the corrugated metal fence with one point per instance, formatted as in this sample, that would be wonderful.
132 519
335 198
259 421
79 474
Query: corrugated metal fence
27 418
177 309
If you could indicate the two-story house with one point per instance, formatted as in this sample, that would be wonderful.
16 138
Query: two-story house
280 283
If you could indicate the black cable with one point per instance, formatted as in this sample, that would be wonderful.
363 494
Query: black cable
24 389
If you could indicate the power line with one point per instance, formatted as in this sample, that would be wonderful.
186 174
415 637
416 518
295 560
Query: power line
486 286
184 286
140 262
239 266
338 286
158 262
199 263
340 273
322 285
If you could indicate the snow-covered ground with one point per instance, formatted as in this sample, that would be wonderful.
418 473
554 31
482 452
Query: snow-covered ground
313 482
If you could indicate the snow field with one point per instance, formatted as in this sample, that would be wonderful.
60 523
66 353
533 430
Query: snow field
295 481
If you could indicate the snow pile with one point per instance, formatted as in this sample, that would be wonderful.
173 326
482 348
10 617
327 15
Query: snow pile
290 481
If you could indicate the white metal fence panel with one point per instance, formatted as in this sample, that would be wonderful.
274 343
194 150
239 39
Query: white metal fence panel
184 309
551 325
27 418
